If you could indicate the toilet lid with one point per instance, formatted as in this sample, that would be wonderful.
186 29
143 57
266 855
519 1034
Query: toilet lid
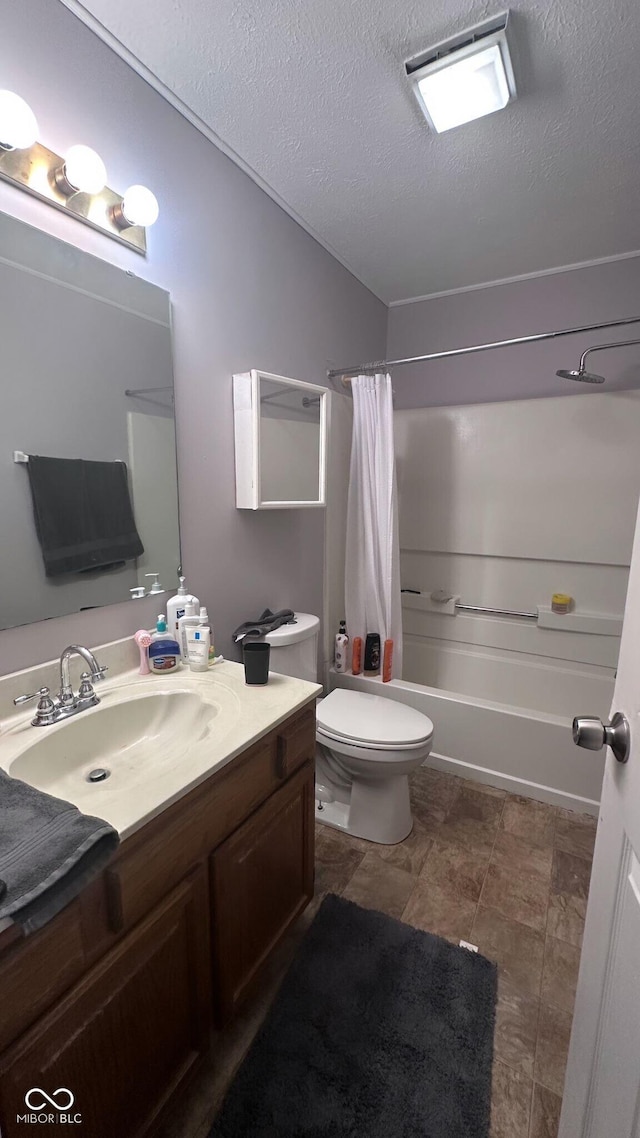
371 719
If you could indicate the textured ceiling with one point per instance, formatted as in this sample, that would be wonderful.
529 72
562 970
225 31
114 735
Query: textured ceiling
311 94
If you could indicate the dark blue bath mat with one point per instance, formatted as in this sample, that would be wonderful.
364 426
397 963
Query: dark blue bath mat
378 1031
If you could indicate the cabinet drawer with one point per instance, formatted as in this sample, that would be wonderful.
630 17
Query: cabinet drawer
296 742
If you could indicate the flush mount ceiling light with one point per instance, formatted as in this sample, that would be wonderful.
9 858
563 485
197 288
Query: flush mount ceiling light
75 184
466 77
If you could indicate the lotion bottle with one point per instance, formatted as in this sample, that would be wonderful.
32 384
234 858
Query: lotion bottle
199 643
177 605
204 618
387 661
341 660
189 620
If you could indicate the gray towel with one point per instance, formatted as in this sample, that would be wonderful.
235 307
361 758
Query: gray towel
83 514
48 852
265 623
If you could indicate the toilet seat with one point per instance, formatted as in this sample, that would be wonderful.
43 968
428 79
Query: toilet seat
384 750
371 721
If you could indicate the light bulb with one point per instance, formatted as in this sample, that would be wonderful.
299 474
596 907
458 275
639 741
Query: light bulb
139 206
18 125
84 170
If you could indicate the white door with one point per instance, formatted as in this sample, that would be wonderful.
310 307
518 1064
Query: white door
602 1088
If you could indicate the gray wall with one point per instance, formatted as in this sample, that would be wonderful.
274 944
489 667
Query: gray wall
541 304
249 288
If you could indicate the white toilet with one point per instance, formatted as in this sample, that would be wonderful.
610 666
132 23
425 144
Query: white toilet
367 745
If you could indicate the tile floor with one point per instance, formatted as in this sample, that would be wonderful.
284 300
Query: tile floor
506 873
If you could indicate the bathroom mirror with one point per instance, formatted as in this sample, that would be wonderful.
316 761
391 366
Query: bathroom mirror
280 441
86 374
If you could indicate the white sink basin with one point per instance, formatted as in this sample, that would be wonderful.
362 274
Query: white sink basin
117 737
132 735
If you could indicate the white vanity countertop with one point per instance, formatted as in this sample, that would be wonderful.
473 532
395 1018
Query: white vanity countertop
158 749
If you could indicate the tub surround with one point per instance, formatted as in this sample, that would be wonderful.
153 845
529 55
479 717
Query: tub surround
496 506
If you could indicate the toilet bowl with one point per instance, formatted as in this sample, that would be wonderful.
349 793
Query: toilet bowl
366 745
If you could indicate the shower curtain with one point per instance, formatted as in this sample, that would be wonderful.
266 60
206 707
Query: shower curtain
372 571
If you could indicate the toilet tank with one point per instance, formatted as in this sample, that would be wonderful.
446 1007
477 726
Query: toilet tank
294 648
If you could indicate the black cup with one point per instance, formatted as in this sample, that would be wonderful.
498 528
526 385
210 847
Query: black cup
256 662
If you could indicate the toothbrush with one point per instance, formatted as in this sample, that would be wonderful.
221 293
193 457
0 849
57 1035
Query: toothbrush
143 640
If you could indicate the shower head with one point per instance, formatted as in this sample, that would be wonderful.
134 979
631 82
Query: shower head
581 375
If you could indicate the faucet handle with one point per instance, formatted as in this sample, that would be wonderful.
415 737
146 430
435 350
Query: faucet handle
46 709
41 692
85 690
86 695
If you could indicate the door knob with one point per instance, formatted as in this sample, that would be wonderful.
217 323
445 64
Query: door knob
591 733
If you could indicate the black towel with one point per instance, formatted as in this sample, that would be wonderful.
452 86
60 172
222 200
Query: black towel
265 623
83 514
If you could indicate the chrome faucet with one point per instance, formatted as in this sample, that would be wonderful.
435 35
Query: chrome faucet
66 695
68 703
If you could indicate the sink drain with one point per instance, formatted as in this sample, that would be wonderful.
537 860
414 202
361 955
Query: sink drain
98 775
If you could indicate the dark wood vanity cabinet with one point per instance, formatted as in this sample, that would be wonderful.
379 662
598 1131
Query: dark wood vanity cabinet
115 998
125 1036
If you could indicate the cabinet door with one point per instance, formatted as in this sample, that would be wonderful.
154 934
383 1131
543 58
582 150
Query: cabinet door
126 1035
262 879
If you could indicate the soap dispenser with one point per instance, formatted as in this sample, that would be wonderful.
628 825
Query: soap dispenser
156 587
164 650
176 607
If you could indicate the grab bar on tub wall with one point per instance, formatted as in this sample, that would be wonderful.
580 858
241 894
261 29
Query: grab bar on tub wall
496 612
440 597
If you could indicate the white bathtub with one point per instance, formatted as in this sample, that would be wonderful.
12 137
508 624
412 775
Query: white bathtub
522 750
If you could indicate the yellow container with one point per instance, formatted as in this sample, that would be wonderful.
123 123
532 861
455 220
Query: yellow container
561 602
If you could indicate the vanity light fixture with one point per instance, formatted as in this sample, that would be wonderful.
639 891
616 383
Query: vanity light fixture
466 77
75 184
18 125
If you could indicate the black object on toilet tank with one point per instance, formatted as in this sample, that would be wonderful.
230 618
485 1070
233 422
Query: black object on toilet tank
372 653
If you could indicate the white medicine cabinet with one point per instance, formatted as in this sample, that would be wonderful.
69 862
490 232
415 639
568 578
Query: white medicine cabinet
280 442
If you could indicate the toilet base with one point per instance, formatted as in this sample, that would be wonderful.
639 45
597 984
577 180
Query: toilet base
378 811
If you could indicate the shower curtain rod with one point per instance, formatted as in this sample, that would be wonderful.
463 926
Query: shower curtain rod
381 365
